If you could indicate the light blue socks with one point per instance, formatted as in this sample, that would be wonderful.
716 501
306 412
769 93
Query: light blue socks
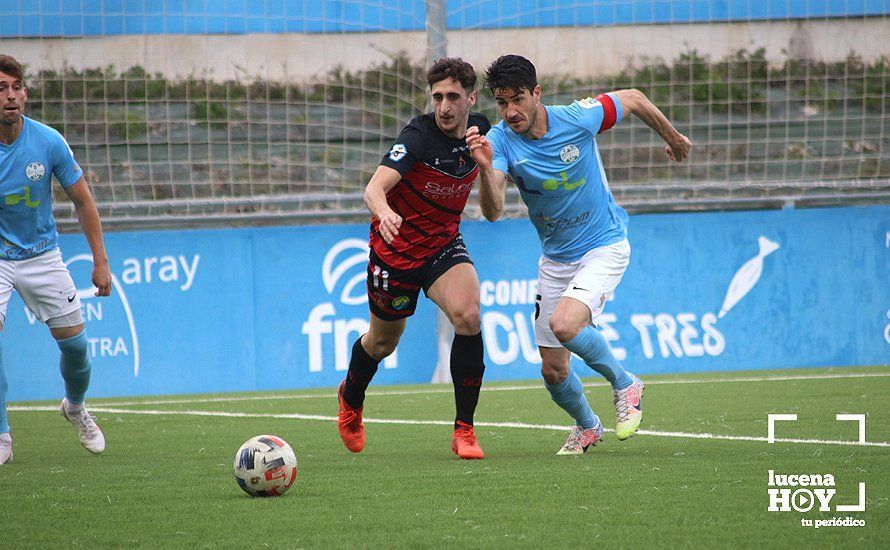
591 347
569 395
74 365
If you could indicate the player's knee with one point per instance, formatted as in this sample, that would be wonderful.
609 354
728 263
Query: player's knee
467 321
553 374
380 348
563 328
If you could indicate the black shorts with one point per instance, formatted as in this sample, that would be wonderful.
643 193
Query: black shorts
393 293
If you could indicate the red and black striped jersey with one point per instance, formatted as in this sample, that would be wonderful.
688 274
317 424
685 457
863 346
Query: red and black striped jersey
438 174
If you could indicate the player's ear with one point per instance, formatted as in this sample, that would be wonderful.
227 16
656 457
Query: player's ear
536 93
472 98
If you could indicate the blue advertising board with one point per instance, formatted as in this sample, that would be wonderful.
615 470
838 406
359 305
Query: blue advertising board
279 308
713 292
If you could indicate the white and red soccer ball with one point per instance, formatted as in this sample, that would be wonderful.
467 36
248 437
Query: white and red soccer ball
265 466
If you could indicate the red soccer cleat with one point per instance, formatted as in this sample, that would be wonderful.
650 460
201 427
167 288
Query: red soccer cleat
349 423
464 442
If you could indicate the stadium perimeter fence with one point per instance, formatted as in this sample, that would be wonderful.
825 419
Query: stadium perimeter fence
232 113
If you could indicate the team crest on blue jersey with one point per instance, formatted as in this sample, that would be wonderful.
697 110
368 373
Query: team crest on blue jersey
588 103
397 152
35 171
569 154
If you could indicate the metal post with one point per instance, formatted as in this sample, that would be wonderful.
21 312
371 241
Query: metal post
444 337
436 47
436 43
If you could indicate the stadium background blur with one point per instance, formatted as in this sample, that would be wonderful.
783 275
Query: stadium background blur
195 112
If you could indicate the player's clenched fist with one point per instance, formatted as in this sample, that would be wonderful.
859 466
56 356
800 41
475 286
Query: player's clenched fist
480 147
102 280
389 226
679 150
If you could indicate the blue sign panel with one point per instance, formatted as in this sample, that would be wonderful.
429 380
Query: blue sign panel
712 291
279 308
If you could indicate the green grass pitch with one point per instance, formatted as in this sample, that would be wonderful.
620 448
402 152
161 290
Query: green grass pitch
165 479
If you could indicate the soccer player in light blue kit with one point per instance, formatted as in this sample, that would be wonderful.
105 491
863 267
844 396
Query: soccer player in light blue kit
30 261
551 155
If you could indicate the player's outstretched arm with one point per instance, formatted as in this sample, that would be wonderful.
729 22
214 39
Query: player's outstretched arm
492 183
91 225
383 180
636 102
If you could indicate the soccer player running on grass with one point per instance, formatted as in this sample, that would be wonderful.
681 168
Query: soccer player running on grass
30 261
416 197
551 154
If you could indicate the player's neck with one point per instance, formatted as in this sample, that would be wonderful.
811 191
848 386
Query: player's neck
10 132
459 132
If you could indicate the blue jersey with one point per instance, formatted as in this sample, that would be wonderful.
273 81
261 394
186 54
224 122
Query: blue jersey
561 178
27 226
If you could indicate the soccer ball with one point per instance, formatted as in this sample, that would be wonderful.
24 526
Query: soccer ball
265 466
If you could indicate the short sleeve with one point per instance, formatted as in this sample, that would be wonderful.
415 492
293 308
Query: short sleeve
405 151
66 169
611 111
497 139
597 114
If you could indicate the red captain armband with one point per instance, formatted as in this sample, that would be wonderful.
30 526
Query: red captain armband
610 112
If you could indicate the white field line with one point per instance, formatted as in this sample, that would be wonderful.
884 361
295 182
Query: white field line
446 389
519 425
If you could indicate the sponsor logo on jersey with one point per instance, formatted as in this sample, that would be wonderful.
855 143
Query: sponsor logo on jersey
569 154
553 184
588 103
560 224
435 190
397 152
35 171
14 199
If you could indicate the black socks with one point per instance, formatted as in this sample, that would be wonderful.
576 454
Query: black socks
467 367
362 368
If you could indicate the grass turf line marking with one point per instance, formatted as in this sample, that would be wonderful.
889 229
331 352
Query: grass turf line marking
449 390
519 425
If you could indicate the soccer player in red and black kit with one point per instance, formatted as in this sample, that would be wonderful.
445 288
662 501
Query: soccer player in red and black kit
416 197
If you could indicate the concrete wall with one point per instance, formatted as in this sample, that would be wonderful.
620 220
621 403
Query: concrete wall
570 51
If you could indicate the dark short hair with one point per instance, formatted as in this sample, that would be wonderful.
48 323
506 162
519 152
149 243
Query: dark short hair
452 67
10 66
511 72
